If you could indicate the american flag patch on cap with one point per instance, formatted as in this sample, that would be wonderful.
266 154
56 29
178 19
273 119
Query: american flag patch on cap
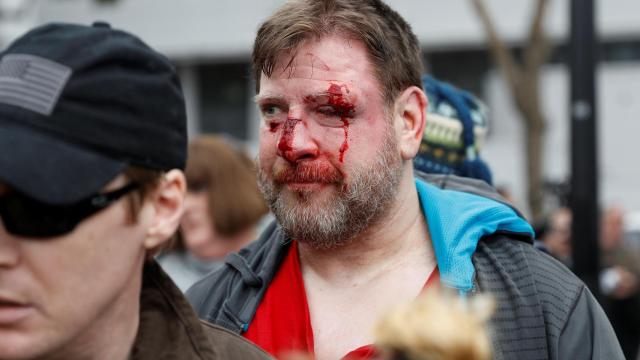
32 82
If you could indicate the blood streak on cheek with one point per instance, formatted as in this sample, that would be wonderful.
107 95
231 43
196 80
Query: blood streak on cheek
286 139
344 109
345 144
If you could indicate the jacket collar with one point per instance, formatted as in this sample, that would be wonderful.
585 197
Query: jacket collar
169 329
457 220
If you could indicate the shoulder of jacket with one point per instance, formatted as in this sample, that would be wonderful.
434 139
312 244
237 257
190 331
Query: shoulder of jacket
536 274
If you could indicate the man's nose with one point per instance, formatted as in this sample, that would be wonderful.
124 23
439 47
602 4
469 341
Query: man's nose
296 142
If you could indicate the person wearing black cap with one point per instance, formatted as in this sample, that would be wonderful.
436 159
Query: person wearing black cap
92 147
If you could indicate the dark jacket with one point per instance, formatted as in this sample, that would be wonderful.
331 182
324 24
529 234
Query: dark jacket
543 310
169 329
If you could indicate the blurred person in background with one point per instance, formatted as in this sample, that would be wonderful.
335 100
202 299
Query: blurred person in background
555 235
222 210
92 143
620 280
455 129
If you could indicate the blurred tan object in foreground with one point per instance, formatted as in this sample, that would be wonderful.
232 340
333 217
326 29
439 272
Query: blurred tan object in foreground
437 326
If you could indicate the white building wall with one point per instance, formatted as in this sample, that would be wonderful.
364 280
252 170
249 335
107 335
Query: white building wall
619 101
17 17
618 132
193 29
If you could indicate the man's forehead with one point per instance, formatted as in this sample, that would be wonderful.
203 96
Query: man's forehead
317 67
4 188
330 56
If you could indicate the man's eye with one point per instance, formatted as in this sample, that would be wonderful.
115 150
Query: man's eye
327 110
270 110
331 117
344 112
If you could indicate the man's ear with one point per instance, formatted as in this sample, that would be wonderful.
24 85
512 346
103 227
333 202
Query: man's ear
410 109
168 205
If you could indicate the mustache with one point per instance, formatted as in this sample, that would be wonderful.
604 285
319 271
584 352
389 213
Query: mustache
307 173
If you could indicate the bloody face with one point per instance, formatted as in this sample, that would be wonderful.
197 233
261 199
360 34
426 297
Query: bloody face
329 162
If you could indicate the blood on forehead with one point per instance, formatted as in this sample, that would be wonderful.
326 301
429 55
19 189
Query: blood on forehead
343 107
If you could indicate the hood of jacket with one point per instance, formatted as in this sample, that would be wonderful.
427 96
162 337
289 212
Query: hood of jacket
457 220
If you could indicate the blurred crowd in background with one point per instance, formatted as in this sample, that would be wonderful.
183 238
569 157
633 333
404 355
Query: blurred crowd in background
619 277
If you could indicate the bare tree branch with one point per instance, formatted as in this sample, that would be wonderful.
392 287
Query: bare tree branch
501 53
537 51
524 82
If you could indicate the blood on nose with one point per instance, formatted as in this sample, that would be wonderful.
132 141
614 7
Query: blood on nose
287 148
286 139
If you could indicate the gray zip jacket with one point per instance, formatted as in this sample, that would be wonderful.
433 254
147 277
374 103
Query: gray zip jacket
543 310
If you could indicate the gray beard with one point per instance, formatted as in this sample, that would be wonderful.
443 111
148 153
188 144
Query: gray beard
331 223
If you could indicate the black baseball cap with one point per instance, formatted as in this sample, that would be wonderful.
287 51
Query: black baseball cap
79 104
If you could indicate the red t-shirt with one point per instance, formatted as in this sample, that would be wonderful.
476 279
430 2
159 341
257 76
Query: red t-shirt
282 322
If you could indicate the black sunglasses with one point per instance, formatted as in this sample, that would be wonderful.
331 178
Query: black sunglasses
24 216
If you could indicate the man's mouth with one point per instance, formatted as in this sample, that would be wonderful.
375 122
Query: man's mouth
313 174
12 311
6 300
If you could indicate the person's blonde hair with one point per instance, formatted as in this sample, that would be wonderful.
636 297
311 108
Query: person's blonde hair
437 326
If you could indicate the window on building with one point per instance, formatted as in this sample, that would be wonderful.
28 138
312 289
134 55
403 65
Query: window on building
224 92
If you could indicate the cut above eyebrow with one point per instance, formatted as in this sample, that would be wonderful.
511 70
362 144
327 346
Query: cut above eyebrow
260 98
322 94
327 94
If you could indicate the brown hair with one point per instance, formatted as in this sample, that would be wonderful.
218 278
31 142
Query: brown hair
148 180
230 179
392 46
